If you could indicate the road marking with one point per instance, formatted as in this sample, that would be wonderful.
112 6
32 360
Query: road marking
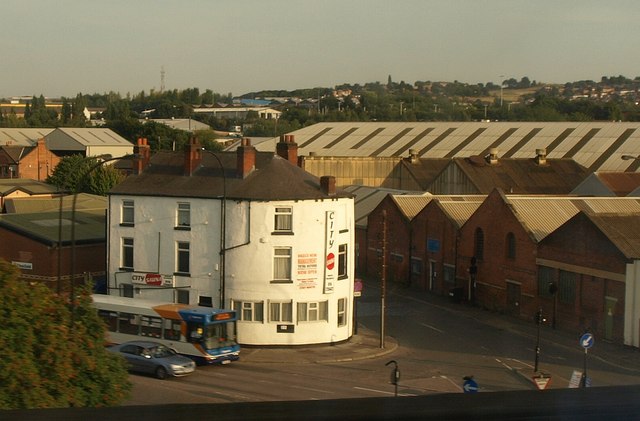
431 327
315 390
384 392
452 382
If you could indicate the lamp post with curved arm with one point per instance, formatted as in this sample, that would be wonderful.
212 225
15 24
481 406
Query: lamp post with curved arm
223 221
103 159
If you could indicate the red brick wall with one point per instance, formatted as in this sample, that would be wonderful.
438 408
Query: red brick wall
398 239
580 243
433 224
496 220
38 164
15 247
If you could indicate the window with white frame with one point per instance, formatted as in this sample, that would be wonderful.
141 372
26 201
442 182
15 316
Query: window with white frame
126 259
249 311
281 312
128 212
342 311
182 257
313 311
283 220
282 264
342 261
183 215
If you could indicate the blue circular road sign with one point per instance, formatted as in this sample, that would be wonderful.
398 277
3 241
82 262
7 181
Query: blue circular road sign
470 386
586 340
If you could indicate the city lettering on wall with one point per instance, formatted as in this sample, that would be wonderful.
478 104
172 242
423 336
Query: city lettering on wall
307 270
152 279
330 252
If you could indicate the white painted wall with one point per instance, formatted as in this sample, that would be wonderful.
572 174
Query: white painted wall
249 259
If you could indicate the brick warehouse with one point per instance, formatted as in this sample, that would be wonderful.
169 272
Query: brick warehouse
511 238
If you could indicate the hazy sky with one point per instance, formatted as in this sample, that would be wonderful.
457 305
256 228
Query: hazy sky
62 47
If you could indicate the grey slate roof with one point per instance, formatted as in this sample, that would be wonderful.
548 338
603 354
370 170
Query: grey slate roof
273 179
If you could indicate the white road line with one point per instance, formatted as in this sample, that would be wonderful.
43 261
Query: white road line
452 382
431 327
383 392
315 390
504 364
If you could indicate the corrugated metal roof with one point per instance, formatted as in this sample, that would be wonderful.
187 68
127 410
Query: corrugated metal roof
543 215
621 184
596 145
460 208
95 136
366 200
410 204
622 230
22 136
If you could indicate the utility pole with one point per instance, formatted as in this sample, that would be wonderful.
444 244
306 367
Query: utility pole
383 278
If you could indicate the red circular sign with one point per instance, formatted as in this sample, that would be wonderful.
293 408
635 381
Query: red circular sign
331 260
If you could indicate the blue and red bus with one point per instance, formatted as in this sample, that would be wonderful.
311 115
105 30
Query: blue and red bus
204 334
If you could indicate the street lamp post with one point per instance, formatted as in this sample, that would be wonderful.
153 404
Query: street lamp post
107 158
501 88
539 320
223 222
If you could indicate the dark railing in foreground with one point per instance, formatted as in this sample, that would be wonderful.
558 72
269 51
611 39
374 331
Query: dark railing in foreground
597 403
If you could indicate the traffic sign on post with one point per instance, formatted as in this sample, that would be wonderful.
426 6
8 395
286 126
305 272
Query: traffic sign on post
469 385
586 340
541 381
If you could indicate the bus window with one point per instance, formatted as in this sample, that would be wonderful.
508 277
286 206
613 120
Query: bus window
150 326
110 318
129 323
219 335
172 329
195 332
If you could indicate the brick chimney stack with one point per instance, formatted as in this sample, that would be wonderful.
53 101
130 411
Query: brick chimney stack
328 185
143 150
287 148
246 158
192 156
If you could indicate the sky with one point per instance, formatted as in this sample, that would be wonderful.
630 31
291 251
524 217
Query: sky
65 47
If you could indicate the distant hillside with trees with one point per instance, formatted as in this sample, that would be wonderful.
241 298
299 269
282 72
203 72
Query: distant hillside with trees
612 98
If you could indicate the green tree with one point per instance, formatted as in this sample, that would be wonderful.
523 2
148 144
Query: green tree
75 173
53 354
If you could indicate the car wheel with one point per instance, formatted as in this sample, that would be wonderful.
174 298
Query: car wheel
161 373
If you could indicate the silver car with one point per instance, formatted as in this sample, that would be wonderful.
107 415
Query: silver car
154 358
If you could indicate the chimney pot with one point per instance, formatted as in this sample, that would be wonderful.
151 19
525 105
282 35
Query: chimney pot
246 158
328 185
492 158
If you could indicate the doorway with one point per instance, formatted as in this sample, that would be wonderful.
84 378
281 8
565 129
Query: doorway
513 298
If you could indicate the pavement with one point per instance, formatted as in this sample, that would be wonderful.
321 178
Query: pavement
362 345
365 343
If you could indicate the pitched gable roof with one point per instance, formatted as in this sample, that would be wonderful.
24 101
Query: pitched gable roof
523 176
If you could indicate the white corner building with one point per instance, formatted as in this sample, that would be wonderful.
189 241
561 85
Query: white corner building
245 230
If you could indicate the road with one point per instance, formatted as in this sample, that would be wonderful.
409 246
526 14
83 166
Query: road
439 344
